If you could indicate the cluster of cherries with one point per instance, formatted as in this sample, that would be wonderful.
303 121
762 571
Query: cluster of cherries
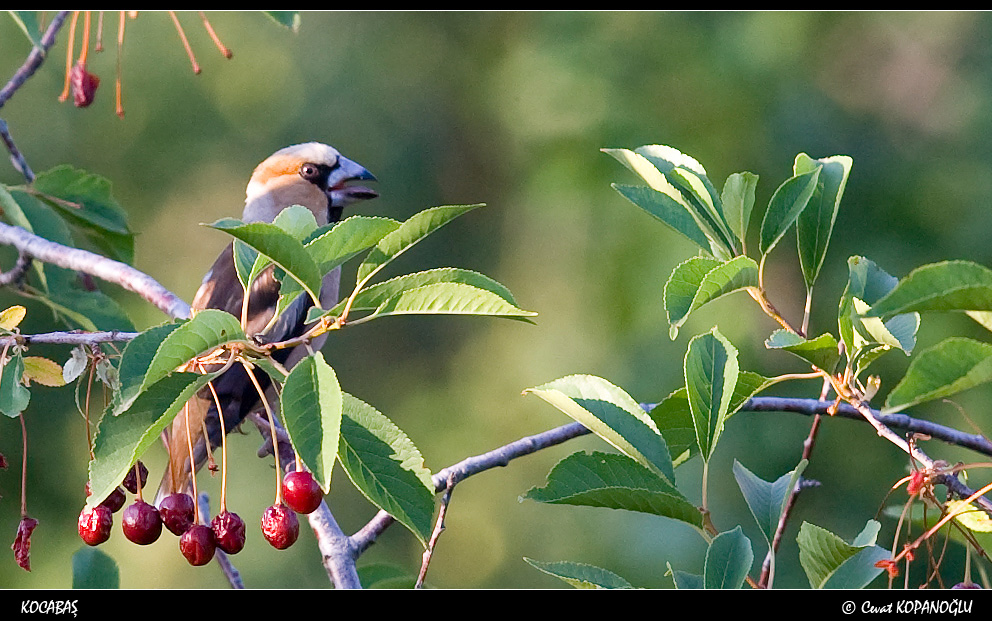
142 522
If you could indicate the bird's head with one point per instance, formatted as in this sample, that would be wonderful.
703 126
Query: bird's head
313 175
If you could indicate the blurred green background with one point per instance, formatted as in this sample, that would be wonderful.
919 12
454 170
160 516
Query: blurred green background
512 109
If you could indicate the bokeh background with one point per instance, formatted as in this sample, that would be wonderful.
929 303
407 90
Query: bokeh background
512 109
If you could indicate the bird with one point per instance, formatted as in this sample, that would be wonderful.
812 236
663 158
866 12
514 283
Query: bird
319 178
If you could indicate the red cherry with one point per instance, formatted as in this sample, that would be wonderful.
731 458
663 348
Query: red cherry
130 482
142 523
177 512
229 532
301 492
114 501
280 526
95 523
197 544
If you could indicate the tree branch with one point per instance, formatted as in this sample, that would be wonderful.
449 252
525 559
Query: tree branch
94 264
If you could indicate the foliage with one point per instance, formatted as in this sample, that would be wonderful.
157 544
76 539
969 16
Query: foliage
877 313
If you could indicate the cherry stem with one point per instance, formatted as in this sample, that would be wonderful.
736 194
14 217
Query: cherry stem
137 479
68 55
192 464
223 447
99 32
120 71
85 51
272 430
182 36
213 35
24 467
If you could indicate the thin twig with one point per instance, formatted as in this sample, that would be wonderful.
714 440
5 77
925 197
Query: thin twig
438 529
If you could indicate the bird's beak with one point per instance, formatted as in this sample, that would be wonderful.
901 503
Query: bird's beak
338 190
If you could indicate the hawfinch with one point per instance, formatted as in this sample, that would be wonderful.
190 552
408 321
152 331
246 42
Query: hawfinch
317 177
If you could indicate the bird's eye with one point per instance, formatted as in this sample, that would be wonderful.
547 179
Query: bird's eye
310 172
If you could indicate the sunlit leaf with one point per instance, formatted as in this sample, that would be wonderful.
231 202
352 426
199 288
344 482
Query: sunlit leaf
613 415
816 222
738 201
711 372
832 563
944 286
953 365
701 280
408 234
822 352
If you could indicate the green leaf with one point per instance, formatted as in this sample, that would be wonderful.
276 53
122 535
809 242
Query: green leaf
331 247
614 481
580 575
690 177
87 201
711 372
786 204
311 402
670 211
413 230
816 222
207 330
613 415
134 363
94 569
867 284
449 298
296 220
14 395
767 500
822 352
953 365
682 180
376 295
685 580
738 201
689 288
28 22
386 467
832 563
281 247
728 560
674 421
673 417
944 286
289 19
121 440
